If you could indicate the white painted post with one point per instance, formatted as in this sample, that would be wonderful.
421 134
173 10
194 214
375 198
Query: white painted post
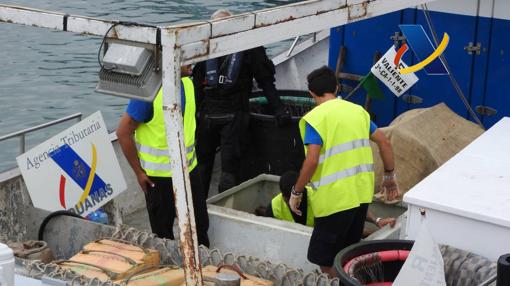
171 57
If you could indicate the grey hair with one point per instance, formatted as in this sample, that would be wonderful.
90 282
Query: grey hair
221 13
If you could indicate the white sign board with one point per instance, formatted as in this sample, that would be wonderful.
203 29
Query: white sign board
424 266
76 170
386 71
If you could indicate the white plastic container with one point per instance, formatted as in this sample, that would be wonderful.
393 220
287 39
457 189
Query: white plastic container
6 266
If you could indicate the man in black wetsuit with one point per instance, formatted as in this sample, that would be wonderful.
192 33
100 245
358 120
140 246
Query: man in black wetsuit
223 87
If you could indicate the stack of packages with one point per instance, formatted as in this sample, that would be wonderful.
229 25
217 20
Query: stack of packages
133 265
121 261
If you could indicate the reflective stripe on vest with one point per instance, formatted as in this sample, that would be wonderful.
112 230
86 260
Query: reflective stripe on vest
344 177
359 143
282 211
158 152
163 167
342 174
151 141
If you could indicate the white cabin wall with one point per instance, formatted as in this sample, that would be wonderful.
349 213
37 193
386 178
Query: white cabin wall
461 7
486 9
291 71
466 7
502 9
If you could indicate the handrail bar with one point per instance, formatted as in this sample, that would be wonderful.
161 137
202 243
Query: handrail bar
22 133
291 49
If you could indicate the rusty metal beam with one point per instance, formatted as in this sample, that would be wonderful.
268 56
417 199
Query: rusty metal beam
209 39
76 24
267 26
177 152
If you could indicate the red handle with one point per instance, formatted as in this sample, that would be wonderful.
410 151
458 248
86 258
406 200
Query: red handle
233 268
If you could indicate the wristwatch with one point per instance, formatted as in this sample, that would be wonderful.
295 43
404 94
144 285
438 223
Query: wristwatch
293 192
377 220
389 175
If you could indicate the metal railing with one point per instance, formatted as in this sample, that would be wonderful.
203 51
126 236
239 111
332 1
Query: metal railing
291 49
22 133
296 40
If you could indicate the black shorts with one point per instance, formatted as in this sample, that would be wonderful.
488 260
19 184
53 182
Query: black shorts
335 232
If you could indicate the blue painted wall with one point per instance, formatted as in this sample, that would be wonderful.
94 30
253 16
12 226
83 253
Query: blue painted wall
497 82
484 78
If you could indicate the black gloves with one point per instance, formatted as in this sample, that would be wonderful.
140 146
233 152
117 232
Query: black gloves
283 116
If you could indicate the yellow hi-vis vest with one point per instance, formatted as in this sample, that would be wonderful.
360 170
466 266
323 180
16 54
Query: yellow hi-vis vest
282 211
150 137
344 177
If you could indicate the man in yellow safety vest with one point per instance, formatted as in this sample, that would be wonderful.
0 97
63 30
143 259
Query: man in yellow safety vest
339 167
142 136
279 208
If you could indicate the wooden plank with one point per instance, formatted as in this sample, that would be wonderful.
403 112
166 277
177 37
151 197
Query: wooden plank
231 25
295 11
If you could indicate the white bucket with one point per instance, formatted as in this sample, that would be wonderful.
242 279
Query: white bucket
6 266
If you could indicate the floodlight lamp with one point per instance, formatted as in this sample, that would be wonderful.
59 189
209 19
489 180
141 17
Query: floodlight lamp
130 71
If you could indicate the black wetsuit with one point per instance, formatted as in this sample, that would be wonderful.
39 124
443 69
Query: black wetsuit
223 115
